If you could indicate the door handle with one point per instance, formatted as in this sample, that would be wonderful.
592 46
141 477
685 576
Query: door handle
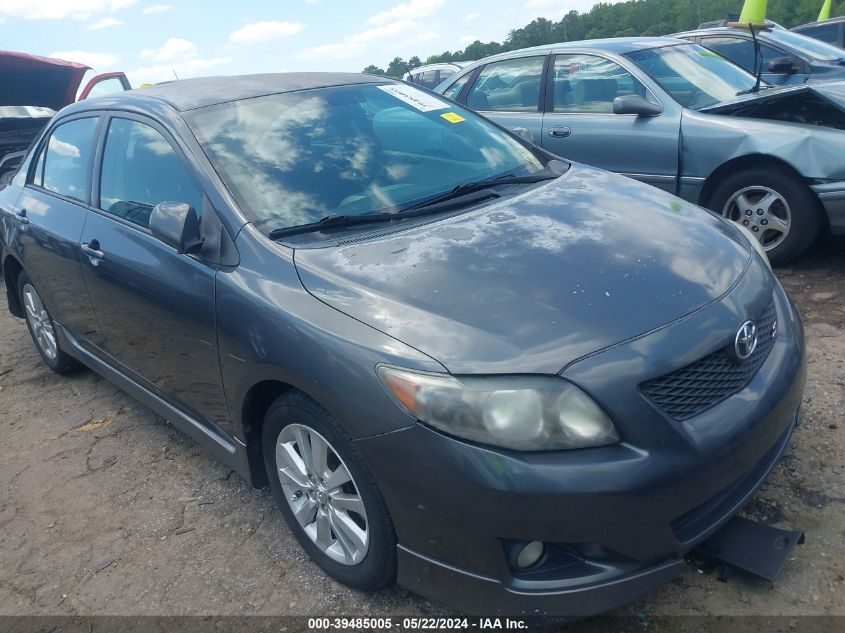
92 250
560 131
20 216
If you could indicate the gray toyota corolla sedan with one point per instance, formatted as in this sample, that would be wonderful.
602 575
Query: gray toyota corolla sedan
512 383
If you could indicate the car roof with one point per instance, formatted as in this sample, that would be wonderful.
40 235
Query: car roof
724 30
190 94
835 20
437 66
619 45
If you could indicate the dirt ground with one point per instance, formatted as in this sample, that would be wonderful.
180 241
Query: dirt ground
107 509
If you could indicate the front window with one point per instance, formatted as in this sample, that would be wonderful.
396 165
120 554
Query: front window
141 169
294 158
825 32
808 46
587 83
741 52
694 76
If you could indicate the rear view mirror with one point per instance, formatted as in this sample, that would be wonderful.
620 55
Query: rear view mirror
635 104
177 225
781 65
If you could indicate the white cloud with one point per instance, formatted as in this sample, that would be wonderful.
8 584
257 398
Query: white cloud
59 9
358 41
157 8
97 61
414 9
183 69
105 23
469 17
265 31
467 39
174 48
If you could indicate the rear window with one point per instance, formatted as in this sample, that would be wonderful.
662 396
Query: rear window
64 164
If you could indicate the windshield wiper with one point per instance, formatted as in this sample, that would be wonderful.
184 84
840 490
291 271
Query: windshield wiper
461 195
332 221
480 185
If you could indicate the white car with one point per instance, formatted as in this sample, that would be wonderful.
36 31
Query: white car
431 75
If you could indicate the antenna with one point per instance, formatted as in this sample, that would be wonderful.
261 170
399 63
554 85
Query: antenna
174 74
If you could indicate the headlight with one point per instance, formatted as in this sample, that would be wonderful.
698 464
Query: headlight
755 243
525 413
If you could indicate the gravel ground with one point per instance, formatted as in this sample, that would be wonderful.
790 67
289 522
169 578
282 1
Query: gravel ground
108 510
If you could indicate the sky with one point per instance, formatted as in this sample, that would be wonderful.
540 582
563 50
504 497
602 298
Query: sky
153 39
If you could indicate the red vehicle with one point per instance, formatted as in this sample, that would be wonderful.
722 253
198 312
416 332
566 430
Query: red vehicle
33 90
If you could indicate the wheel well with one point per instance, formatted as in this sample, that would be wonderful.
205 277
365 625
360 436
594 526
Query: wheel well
742 162
11 271
256 403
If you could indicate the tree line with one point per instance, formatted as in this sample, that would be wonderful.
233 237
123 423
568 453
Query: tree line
623 19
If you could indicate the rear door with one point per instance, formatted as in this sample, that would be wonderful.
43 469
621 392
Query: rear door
156 306
579 122
51 214
509 93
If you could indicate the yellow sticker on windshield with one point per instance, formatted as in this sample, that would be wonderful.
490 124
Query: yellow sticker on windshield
451 117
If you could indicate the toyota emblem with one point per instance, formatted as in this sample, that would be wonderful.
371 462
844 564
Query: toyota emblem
746 340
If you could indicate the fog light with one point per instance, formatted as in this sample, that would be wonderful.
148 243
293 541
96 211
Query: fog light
530 554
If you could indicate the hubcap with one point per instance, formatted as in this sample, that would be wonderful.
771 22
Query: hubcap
762 211
322 494
40 322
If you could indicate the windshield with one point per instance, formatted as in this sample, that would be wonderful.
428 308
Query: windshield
807 45
694 76
294 158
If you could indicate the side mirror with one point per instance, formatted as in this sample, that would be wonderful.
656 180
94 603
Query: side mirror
177 225
781 66
635 104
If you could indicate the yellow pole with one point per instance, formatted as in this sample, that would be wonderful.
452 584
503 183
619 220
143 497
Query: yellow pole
753 12
825 12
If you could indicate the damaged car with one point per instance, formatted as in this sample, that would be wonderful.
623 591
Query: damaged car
782 57
33 89
511 383
682 118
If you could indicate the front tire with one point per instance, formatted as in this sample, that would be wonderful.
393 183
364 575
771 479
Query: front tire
781 211
42 329
327 495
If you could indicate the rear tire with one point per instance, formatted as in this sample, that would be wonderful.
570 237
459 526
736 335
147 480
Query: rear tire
344 528
42 329
774 204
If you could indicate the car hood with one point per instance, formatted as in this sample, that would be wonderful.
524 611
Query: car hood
29 80
534 281
821 104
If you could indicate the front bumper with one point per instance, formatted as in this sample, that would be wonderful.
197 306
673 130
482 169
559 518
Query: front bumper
832 196
628 512
479 595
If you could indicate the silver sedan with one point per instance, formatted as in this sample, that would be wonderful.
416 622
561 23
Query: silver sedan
682 118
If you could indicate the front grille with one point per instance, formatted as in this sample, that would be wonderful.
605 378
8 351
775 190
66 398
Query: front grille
695 388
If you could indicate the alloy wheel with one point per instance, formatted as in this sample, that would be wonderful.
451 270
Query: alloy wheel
40 322
763 211
322 494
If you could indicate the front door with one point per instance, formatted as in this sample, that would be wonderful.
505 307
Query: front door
579 123
52 212
508 92
156 306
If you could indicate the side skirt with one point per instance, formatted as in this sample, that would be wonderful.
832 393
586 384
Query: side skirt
228 450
